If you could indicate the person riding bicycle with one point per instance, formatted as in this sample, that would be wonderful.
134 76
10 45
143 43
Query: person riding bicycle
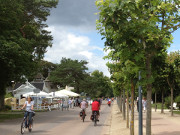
95 108
83 106
109 101
29 104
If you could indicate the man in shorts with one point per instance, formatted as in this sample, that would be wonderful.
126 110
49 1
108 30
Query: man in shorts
95 108
83 105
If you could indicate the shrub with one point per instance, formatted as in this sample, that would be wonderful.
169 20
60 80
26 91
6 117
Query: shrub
177 99
167 102
8 95
7 107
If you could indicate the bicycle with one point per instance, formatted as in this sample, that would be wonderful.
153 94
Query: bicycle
83 115
95 118
23 125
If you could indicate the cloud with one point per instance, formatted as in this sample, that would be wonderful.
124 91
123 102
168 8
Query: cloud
74 14
70 45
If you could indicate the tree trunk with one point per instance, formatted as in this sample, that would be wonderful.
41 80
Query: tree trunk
149 95
162 104
132 108
120 101
171 86
2 94
124 107
127 106
155 102
172 101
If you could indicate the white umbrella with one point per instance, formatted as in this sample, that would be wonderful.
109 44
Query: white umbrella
69 93
28 94
42 94
58 94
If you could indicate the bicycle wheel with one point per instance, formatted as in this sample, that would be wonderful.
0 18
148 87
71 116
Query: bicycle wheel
95 120
22 127
30 126
83 117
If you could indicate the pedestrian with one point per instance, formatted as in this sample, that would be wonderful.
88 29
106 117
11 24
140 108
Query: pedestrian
138 104
72 103
69 103
144 102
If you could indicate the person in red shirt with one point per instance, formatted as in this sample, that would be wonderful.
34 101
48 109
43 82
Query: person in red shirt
95 107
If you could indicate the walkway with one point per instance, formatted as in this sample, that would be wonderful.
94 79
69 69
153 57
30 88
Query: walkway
162 124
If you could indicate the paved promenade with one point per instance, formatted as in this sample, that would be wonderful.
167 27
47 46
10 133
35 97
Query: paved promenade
162 124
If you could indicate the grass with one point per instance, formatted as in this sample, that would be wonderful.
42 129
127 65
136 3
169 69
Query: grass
10 116
44 110
176 112
159 106
14 114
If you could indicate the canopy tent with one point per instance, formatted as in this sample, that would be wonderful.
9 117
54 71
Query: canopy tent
58 94
40 94
28 94
69 93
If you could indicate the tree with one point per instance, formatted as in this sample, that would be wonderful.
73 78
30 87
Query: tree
45 67
147 24
173 73
97 85
23 39
69 72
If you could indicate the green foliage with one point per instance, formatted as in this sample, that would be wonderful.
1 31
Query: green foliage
102 85
8 95
69 72
167 102
10 116
46 67
159 106
172 69
136 32
177 99
74 73
23 38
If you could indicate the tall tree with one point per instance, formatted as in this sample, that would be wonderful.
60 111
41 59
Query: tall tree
173 73
23 39
69 72
123 20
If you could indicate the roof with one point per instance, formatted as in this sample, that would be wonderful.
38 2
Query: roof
38 85
17 85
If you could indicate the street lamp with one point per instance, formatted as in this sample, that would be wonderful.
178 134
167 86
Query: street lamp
140 106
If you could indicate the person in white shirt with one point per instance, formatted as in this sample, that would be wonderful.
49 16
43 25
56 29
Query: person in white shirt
144 103
84 105
29 104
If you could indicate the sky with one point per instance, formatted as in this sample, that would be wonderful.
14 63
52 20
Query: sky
73 27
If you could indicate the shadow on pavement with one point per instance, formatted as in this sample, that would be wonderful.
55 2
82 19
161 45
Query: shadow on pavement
40 132
169 133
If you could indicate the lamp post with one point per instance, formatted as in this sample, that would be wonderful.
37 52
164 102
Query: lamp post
140 107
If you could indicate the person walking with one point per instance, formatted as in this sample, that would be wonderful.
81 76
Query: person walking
137 104
144 103
72 103
69 103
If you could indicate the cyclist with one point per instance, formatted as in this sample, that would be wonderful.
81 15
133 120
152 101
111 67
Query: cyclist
83 106
29 104
109 102
95 108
